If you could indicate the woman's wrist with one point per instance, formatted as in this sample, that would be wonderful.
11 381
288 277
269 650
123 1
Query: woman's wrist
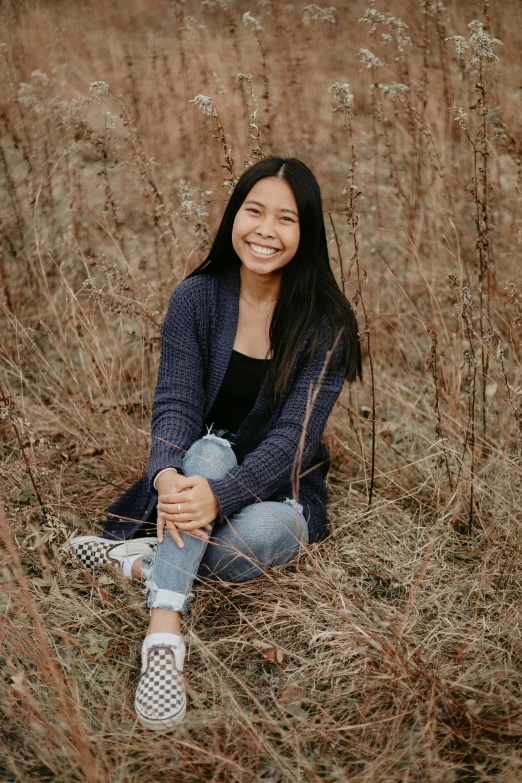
159 473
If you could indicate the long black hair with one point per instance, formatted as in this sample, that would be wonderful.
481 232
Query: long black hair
309 290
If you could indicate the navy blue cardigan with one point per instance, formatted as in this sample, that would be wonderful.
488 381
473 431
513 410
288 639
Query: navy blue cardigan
197 337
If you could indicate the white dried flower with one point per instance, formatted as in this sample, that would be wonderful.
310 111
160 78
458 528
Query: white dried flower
205 104
430 7
74 111
460 43
343 99
110 120
368 59
398 27
395 92
26 95
479 46
214 5
41 77
192 212
372 18
229 185
252 23
467 299
193 24
314 13
99 89
461 118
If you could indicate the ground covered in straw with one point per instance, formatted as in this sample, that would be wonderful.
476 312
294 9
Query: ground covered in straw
390 650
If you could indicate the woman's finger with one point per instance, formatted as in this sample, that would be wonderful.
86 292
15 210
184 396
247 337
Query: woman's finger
174 515
172 508
197 534
174 532
175 497
191 524
160 524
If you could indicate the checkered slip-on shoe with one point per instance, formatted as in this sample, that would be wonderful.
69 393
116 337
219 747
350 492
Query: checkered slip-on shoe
94 551
160 701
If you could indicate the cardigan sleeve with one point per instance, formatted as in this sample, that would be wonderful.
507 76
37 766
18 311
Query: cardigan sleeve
269 467
179 398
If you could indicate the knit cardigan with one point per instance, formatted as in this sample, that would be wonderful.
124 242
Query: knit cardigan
197 338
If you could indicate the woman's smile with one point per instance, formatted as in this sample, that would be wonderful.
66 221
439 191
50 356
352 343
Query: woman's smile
262 251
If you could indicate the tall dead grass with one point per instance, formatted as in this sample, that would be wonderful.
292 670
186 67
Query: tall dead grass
391 651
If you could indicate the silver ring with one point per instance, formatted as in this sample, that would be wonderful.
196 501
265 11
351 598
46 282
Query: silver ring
179 508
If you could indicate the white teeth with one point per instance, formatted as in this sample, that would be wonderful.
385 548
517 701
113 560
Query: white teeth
265 251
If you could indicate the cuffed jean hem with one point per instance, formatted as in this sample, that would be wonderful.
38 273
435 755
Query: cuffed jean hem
158 597
295 505
211 436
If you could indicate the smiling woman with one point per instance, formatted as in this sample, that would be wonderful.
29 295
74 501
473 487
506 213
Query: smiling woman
266 227
235 480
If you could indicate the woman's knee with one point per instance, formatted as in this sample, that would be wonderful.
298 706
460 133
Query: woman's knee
260 535
210 457
273 526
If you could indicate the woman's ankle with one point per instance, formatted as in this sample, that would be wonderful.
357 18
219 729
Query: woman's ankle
136 568
164 621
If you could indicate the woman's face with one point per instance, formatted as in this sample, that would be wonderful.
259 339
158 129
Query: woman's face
265 234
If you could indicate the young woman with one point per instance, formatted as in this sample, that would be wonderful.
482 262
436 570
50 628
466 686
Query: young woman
255 347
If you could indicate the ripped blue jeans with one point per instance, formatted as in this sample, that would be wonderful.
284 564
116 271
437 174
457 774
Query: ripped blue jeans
259 535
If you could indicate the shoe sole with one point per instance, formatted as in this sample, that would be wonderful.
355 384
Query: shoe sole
162 725
134 547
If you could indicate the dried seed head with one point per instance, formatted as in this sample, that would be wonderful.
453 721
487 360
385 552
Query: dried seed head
461 118
110 120
41 77
395 92
205 104
479 47
252 23
192 212
343 99
99 89
372 18
368 59
215 5
431 7
314 13
460 44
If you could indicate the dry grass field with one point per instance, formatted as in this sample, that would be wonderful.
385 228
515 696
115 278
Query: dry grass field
390 651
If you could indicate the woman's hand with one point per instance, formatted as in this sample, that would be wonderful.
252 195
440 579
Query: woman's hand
199 508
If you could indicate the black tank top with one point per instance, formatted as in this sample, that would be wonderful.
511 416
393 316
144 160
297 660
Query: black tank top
238 392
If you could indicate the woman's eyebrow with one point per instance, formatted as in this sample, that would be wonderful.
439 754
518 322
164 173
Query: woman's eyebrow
258 203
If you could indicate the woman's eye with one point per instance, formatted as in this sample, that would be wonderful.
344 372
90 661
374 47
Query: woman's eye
257 212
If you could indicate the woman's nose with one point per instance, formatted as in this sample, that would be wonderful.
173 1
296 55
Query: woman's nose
266 227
